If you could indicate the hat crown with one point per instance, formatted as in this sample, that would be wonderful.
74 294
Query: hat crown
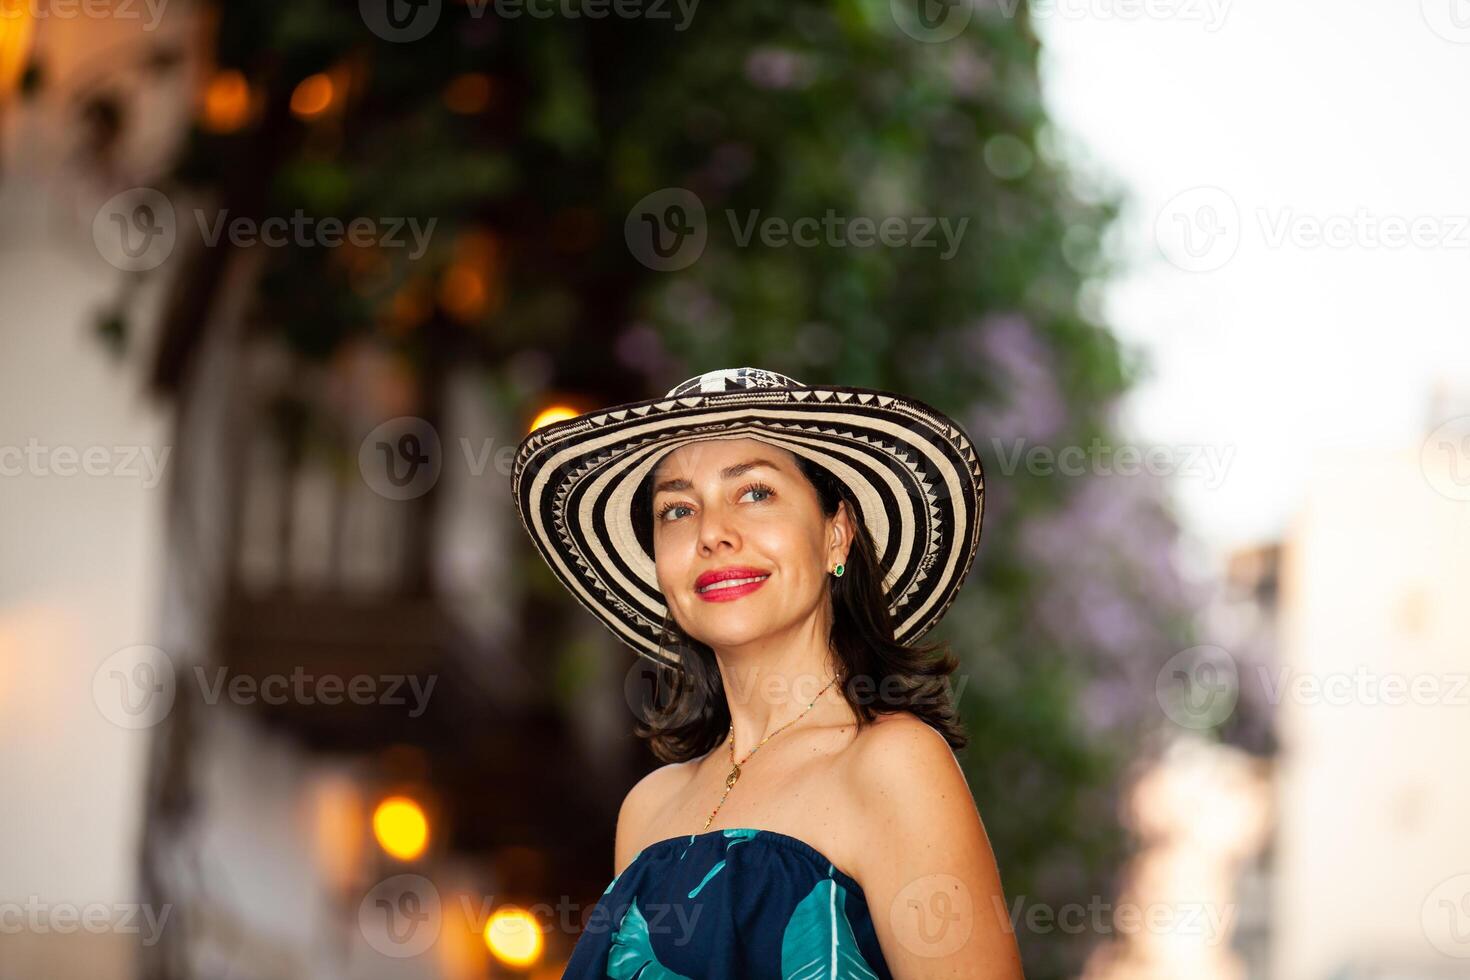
732 379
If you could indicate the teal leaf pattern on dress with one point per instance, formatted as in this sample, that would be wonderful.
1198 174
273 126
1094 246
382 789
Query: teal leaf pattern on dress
818 940
631 955
733 836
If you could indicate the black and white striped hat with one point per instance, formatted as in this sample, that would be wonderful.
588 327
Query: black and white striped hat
913 471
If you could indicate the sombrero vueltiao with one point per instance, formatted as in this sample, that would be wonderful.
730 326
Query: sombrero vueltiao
913 471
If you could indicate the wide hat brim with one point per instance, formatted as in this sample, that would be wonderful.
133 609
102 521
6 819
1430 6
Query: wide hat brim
914 473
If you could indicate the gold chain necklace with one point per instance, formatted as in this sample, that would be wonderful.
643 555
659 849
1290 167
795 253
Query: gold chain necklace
735 766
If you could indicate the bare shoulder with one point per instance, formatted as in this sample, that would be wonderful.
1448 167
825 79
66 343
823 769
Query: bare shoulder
641 805
900 771
898 736
926 847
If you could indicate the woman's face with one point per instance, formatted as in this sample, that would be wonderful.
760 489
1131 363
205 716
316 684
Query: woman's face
741 509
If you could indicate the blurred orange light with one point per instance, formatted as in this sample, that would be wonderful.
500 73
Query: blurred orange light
401 827
17 25
513 935
226 102
556 413
462 291
469 93
313 96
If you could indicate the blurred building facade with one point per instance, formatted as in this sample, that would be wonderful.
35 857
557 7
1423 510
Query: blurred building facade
1370 856
254 552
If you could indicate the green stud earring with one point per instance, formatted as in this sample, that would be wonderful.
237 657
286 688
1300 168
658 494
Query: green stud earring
839 569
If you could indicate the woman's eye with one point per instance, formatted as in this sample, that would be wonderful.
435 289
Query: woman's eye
668 511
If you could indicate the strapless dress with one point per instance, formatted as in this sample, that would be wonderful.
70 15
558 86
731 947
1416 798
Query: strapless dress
733 904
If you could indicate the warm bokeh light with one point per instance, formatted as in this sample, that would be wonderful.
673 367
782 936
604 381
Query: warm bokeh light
401 828
463 291
470 287
17 26
514 937
226 102
556 413
469 93
313 96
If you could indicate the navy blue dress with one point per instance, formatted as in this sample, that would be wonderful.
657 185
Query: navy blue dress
733 904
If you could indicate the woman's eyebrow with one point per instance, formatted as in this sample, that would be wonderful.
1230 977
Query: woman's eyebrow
728 473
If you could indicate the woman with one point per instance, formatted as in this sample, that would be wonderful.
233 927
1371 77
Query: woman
775 548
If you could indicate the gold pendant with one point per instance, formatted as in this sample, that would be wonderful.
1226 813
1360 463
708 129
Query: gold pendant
730 779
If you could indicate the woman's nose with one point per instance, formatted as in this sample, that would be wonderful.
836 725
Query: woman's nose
716 527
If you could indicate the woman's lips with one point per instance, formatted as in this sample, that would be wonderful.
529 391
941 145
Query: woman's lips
727 591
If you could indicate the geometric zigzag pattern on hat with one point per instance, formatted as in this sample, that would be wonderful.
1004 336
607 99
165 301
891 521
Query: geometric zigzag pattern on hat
914 473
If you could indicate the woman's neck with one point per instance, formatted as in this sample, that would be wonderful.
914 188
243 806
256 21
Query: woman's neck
768 688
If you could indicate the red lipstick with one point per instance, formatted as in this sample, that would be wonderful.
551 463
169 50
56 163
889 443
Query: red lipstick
725 593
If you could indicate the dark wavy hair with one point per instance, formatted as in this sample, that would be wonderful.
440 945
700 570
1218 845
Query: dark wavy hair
879 675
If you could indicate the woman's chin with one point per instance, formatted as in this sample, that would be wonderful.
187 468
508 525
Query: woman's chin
720 631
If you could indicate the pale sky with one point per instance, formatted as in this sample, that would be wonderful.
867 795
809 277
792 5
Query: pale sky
1306 116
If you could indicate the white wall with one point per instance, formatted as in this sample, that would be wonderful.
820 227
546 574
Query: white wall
79 567
80 553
